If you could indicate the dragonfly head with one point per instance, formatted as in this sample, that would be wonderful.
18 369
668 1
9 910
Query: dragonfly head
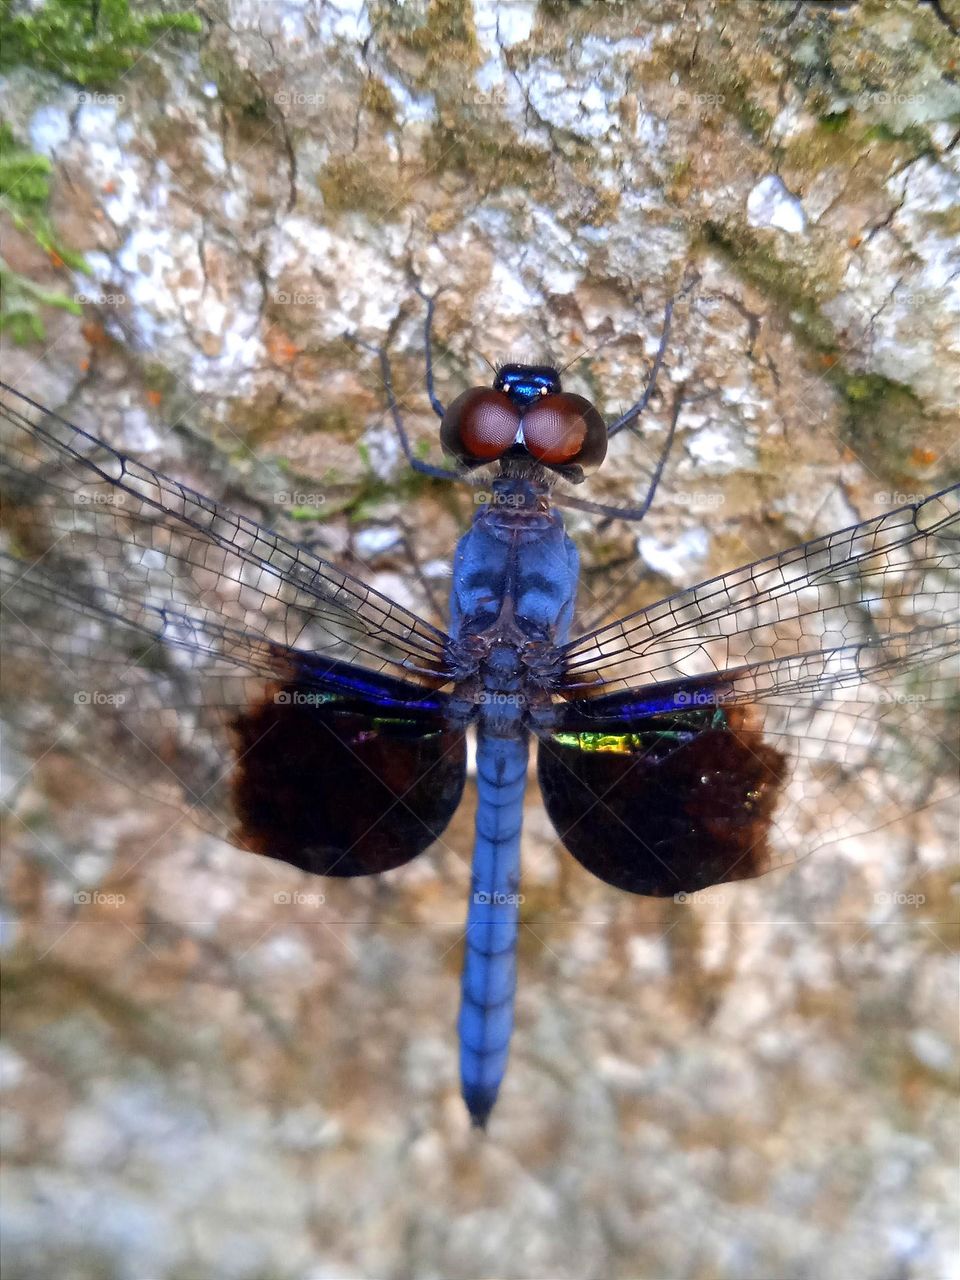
526 421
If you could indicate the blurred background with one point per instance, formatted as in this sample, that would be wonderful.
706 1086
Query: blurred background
216 1068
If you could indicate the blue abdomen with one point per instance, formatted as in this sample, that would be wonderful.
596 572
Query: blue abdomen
490 960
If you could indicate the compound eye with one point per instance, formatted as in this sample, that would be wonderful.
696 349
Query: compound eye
565 429
479 426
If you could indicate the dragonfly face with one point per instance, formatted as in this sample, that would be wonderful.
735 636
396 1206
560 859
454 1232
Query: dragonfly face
311 719
527 422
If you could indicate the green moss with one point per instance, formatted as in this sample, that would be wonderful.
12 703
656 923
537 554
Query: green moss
20 303
24 193
237 88
24 177
834 121
366 502
783 283
882 419
946 221
81 41
447 38
367 183
487 156
755 119
90 44
158 378
377 98
734 96
558 8
913 136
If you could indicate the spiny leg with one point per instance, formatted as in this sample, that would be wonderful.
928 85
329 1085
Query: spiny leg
430 300
426 586
632 513
386 375
629 418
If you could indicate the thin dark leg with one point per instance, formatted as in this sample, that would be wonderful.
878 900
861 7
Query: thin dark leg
632 513
422 468
418 465
627 419
425 584
438 408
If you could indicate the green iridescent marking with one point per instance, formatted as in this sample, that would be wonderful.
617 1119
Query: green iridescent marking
683 726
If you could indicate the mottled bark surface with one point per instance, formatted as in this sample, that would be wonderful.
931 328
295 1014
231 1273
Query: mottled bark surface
210 1071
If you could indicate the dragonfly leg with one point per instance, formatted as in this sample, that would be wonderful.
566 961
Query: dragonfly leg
631 513
425 584
386 375
430 300
633 413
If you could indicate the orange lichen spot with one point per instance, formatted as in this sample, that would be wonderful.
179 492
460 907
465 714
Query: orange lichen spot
154 398
55 258
923 457
855 242
84 364
109 187
95 334
828 359
281 348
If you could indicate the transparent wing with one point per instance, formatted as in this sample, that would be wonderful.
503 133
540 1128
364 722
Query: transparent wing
803 700
878 595
182 568
325 766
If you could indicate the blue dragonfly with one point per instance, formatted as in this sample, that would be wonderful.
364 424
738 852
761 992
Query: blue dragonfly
310 718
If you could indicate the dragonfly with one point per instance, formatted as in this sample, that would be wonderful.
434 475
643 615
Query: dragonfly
727 730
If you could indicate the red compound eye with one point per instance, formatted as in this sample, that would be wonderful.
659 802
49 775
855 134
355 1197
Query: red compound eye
562 429
479 426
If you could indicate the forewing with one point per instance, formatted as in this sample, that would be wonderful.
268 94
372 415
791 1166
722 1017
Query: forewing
888 582
211 664
106 522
